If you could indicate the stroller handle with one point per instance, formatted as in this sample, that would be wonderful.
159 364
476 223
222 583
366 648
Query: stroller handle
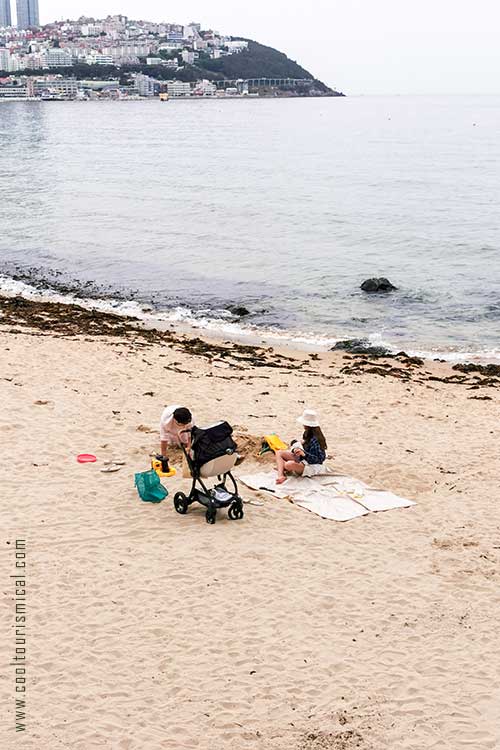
187 453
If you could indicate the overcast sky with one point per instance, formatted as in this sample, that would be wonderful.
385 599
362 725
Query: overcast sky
358 46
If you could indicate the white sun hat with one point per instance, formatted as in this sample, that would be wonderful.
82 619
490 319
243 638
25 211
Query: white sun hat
309 418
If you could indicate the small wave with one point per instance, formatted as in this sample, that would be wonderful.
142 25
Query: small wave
14 287
448 355
459 355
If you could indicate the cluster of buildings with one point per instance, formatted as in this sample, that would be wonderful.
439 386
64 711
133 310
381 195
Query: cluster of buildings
52 87
33 58
115 40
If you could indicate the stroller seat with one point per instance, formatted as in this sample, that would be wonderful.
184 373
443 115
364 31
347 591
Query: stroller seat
218 466
213 454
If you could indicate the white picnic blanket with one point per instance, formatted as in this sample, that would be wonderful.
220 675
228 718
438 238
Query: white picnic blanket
329 495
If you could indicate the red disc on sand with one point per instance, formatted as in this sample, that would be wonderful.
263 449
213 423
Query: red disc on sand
86 458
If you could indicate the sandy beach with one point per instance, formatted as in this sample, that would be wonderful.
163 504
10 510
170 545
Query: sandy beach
148 630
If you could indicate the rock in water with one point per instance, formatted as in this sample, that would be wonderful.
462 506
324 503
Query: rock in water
378 285
239 310
361 346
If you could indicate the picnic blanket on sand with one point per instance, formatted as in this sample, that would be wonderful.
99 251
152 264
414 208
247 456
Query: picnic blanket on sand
329 495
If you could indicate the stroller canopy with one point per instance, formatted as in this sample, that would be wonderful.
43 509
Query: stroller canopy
212 442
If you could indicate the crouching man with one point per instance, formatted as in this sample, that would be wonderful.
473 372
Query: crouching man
175 425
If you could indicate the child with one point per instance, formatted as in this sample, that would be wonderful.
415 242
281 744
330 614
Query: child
175 424
312 449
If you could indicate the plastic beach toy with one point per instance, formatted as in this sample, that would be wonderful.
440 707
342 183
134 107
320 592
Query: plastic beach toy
86 458
149 487
161 466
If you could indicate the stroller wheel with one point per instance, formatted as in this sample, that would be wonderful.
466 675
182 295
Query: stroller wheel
181 503
211 515
235 512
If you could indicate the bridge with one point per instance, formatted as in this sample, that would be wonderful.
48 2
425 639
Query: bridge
253 83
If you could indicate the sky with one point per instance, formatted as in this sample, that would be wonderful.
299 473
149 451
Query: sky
357 46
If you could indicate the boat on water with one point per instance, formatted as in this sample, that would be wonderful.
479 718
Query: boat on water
53 98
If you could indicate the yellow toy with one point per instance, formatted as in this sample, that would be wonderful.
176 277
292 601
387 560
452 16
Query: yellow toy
275 443
162 468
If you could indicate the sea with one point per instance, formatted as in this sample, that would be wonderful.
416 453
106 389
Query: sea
179 211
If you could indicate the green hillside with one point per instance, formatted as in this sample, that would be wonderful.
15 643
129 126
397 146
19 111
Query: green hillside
258 61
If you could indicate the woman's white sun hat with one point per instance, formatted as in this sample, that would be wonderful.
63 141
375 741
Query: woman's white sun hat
309 418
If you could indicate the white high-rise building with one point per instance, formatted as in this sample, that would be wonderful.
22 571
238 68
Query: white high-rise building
5 14
145 85
15 64
28 14
178 88
4 59
58 58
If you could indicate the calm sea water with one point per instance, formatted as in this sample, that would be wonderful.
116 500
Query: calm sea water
284 207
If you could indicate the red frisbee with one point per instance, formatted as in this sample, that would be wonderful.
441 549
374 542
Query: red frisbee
86 458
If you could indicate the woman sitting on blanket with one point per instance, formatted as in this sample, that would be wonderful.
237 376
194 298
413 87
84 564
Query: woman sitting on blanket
310 451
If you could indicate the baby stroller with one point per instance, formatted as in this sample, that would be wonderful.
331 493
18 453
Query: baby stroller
213 455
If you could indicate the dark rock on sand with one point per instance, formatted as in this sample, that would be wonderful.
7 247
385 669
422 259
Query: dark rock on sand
239 310
361 346
409 360
378 285
491 371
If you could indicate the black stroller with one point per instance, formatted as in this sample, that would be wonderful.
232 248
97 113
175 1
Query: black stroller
213 455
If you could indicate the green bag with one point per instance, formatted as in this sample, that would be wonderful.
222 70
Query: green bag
149 487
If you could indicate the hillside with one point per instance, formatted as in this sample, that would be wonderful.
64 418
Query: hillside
258 61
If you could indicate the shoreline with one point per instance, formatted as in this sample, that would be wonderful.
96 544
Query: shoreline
229 97
72 319
237 328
